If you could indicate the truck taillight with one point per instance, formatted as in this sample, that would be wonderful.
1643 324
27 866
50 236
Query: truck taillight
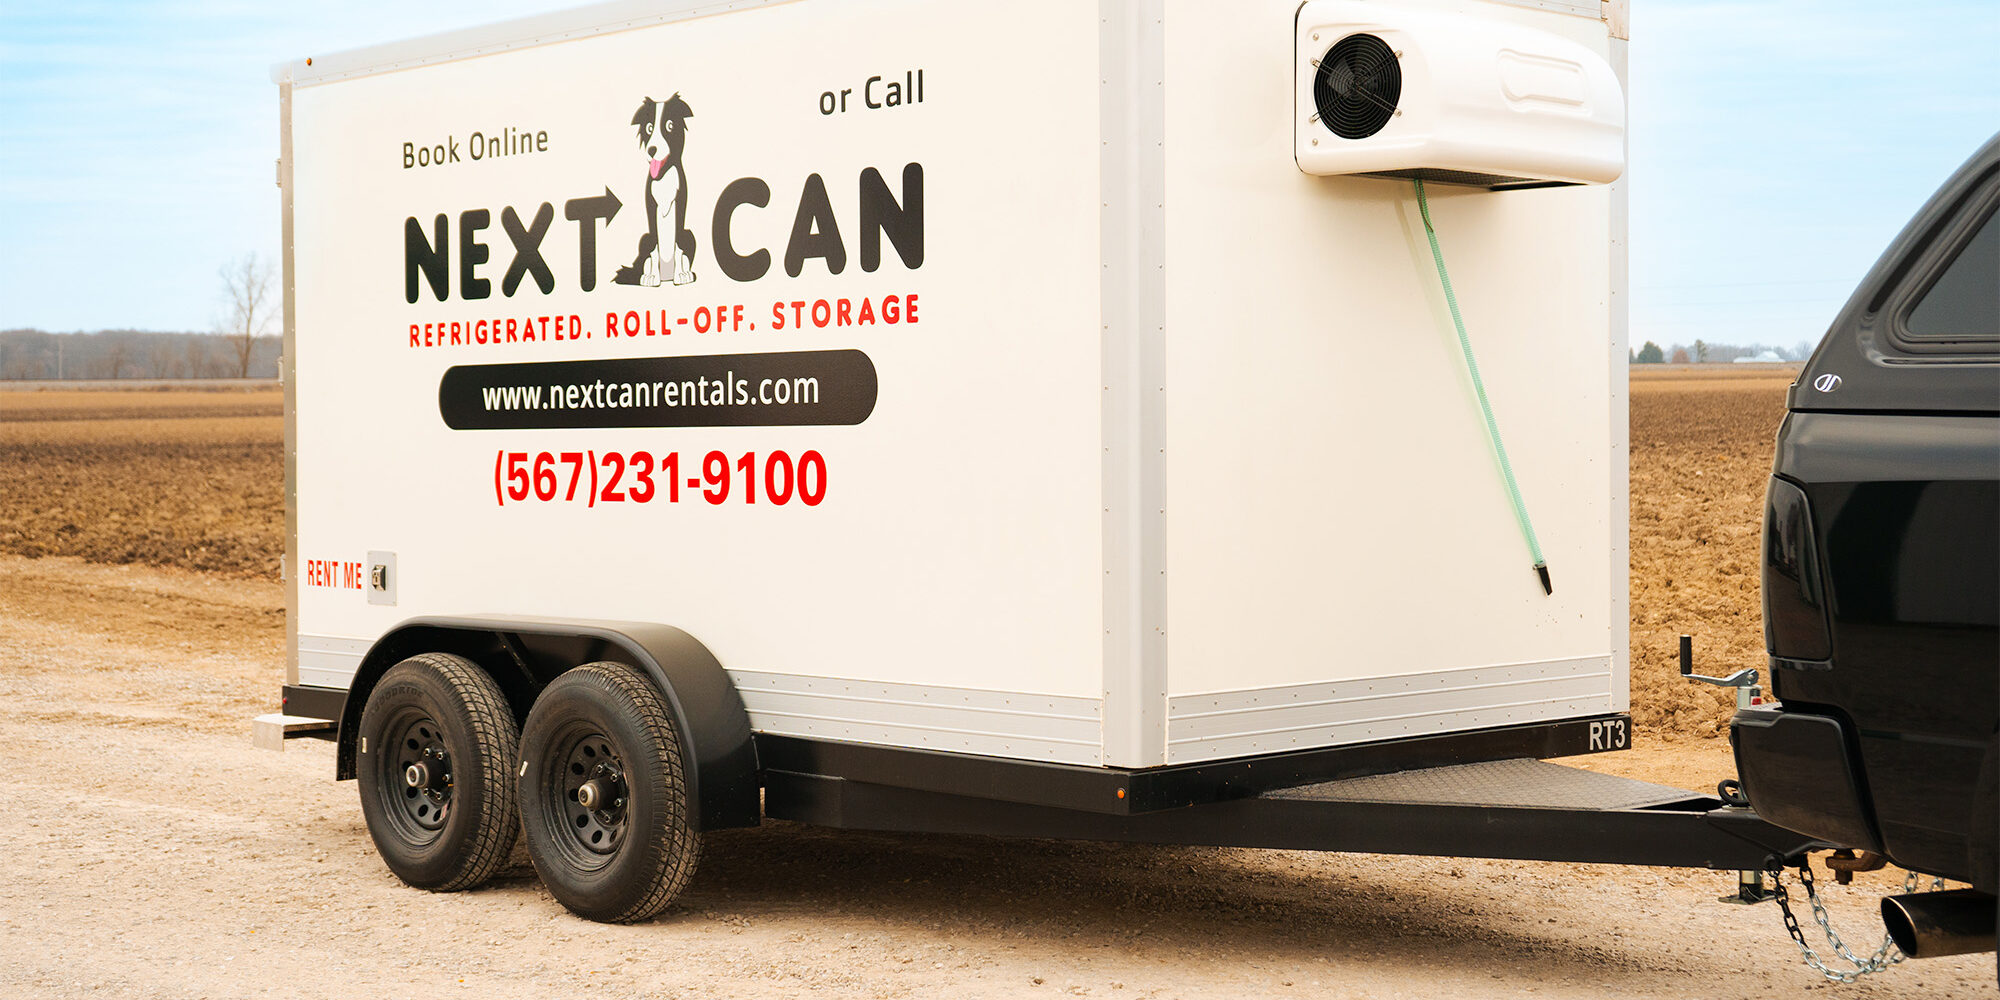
1794 590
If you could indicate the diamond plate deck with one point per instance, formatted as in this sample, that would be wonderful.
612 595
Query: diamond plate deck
1527 784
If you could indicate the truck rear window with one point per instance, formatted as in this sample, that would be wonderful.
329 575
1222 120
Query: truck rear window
1963 305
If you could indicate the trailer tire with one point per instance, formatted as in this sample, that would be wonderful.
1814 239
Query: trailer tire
604 795
435 791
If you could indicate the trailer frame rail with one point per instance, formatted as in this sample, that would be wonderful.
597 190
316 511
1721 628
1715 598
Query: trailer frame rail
1530 810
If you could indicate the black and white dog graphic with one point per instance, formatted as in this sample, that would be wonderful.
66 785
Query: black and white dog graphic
666 252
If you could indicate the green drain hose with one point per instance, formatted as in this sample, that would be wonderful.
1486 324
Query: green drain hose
1485 407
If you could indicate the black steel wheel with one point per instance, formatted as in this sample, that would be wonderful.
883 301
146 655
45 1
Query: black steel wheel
437 740
604 795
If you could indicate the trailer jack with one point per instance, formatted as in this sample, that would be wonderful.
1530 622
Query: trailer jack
1750 888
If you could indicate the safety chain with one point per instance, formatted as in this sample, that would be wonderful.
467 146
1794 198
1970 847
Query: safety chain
1885 956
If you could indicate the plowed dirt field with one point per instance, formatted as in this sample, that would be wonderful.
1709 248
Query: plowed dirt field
1701 455
193 480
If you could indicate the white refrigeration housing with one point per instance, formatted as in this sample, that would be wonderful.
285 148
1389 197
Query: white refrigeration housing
1461 94
1025 399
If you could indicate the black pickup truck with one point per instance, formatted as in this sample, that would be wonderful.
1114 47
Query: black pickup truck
1881 575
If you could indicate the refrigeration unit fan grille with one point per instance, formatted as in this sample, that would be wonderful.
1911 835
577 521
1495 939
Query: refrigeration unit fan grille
1357 86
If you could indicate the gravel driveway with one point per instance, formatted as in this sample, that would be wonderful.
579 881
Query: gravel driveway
150 852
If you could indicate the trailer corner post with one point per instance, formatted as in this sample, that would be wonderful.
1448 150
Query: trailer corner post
1619 296
1132 109
289 382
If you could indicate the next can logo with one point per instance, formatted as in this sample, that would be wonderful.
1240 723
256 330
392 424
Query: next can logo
666 253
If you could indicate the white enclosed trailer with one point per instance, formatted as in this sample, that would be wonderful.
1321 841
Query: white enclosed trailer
1022 418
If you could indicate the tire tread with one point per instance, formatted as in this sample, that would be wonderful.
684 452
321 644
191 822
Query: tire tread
498 741
492 726
673 856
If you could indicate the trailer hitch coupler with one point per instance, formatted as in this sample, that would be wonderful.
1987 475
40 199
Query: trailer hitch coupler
1932 924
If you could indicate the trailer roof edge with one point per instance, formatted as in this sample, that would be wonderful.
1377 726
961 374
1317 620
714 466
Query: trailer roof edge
609 16
501 36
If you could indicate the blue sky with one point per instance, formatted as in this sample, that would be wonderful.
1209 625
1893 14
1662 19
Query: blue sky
139 140
1776 148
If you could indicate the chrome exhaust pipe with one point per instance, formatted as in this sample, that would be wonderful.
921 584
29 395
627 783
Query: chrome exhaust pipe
1931 924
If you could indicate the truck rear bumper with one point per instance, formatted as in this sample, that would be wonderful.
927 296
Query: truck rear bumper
1800 772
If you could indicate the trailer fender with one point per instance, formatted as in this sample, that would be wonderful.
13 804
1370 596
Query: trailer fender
525 654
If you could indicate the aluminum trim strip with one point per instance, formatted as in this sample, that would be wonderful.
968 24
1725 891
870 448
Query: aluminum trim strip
328 660
1250 697
1353 699
805 717
1226 724
939 717
503 36
977 745
322 676
1339 734
982 698
961 720
323 658
902 704
334 644
1373 719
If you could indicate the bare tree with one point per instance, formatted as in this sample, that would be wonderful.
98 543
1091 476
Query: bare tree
22 356
26 365
160 358
246 285
195 350
118 357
